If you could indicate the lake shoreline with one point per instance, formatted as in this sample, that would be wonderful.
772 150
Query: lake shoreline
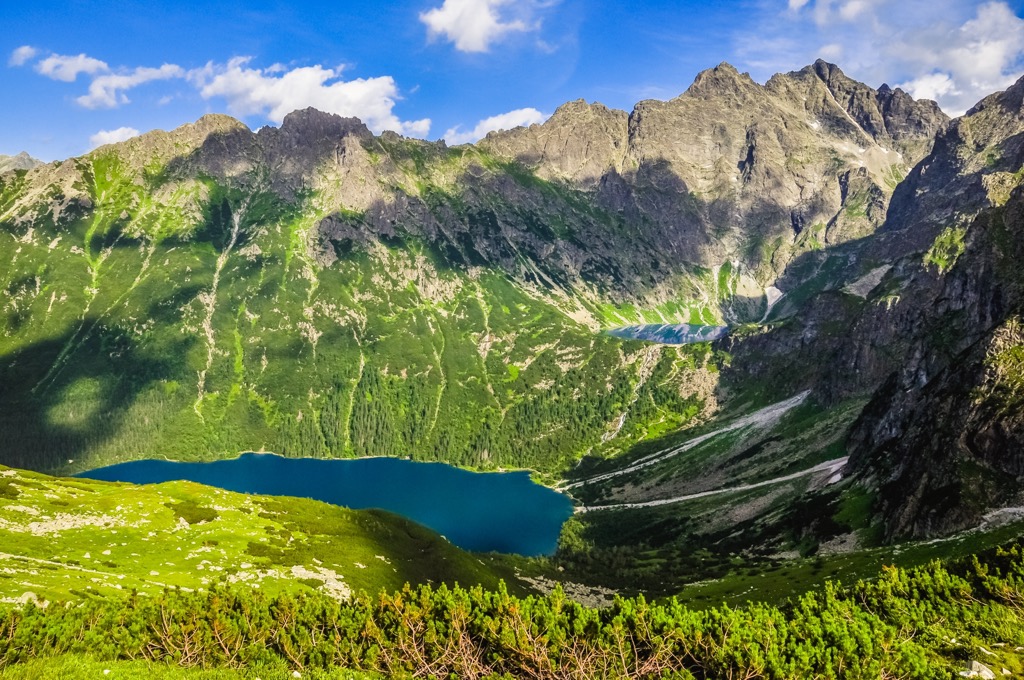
507 512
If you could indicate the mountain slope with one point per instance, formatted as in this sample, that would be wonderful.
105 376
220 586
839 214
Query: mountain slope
203 315
923 317
68 538
316 290
944 439
732 170
920 322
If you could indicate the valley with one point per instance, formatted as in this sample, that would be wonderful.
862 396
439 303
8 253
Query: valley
757 341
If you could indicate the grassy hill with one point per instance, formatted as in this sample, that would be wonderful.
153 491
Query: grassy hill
76 538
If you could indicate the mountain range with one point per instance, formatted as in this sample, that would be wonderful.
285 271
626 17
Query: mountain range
317 290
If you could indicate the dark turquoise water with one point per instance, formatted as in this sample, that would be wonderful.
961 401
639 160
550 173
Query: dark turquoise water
503 512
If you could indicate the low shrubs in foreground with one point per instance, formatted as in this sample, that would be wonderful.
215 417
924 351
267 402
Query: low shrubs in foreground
919 623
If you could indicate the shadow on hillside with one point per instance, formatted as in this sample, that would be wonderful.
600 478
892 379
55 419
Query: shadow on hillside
625 239
636 231
49 417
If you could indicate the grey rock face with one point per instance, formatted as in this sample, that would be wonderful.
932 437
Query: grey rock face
943 439
969 170
21 161
931 335
971 167
890 117
580 143
734 170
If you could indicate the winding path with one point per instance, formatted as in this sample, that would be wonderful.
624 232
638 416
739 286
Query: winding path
769 415
829 466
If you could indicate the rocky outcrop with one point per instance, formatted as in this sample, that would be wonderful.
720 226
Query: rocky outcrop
21 161
732 170
891 118
579 144
924 316
943 438
974 164
847 339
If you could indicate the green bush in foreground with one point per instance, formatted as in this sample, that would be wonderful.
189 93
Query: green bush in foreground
920 623
75 667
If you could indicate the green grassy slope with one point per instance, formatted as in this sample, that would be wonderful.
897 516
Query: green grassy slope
76 538
152 309
751 492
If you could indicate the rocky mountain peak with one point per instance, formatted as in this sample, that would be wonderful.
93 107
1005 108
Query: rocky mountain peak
721 78
191 135
730 157
571 107
20 161
888 117
829 73
214 122
973 165
1010 101
581 108
907 117
311 125
579 142
305 139
179 141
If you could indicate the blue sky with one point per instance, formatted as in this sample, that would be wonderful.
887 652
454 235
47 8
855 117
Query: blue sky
78 73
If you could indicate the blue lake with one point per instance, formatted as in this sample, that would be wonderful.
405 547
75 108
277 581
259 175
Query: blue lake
670 334
502 512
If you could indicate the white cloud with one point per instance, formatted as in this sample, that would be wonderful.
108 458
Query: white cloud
985 53
416 128
21 55
112 136
275 93
933 86
502 121
472 25
831 51
853 9
954 51
67 68
107 91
